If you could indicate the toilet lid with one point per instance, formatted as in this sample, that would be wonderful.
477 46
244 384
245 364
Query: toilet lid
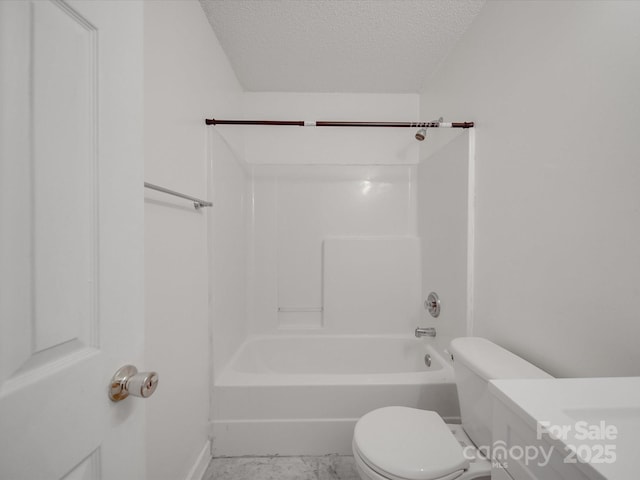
407 443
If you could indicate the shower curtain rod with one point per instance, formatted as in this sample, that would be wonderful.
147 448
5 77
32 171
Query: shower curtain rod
306 123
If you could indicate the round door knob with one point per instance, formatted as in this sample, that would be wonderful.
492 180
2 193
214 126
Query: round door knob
128 381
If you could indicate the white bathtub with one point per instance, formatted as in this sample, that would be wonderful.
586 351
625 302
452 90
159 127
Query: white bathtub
302 394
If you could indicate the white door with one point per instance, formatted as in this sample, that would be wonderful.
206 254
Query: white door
71 232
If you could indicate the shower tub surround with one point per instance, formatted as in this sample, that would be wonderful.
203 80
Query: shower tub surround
302 394
319 331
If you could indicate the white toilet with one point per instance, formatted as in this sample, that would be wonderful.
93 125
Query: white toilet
402 443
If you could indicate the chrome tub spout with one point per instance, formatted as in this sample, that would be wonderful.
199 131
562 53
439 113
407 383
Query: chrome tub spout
425 332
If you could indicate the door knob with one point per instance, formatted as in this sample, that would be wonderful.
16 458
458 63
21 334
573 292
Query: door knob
128 381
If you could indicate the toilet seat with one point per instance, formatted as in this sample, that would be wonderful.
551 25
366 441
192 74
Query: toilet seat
402 443
366 472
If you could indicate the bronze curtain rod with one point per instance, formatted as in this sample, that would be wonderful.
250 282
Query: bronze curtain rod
302 123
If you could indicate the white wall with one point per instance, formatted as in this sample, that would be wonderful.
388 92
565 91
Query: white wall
187 78
330 206
228 246
442 184
553 87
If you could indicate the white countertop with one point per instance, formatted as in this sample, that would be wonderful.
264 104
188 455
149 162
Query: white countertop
594 413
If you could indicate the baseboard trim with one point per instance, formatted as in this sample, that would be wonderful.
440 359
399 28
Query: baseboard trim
202 462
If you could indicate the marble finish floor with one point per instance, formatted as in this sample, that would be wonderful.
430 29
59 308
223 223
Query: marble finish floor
328 467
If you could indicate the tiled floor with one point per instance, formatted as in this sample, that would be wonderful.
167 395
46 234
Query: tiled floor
329 467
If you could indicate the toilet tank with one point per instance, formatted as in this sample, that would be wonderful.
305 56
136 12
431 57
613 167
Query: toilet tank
476 361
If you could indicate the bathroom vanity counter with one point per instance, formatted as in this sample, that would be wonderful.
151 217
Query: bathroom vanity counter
575 428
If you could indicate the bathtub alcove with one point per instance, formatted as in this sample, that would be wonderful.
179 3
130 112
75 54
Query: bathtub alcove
325 244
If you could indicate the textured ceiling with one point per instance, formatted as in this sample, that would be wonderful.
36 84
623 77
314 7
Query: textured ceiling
377 46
